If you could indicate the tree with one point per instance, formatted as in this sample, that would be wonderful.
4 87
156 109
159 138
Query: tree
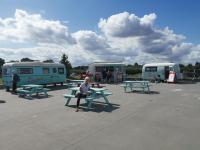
136 64
2 61
190 68
26 60
197 65
64 60
48 61
13 61
182 68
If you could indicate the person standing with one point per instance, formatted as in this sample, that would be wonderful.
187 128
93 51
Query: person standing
109 76
104 75
15 80
84 92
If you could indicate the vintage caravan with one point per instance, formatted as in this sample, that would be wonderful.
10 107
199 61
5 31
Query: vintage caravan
34 73
117 70
161 70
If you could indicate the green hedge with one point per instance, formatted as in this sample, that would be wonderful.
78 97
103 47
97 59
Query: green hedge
133 71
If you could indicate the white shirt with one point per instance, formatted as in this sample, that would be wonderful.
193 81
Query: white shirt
84 88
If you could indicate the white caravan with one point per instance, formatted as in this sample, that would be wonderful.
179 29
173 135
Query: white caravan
153 70
117 70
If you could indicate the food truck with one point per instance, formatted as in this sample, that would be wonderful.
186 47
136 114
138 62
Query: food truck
153 70
115 69
33 73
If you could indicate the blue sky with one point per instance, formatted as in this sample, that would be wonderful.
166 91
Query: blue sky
181 17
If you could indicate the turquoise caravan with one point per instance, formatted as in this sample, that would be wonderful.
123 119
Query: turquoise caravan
153 70
34 73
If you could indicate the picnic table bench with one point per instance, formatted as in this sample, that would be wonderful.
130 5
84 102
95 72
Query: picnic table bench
96 93
30 89
144 85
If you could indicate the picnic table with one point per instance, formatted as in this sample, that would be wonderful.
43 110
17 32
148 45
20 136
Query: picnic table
30 89
77 83
96 93
143 85
97 85
73 83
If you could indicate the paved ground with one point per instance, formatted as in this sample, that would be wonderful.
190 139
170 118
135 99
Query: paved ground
166 119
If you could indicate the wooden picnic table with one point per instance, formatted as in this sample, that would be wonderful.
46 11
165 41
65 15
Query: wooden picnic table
144 85
96 93
30 89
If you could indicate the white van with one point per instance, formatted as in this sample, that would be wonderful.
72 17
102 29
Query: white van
153 70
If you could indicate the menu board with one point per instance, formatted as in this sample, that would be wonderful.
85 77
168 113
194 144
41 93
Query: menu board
171 77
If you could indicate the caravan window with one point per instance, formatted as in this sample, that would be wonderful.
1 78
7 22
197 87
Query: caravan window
98 69
25 70
45 70
54 70
171 68
61 70
151 69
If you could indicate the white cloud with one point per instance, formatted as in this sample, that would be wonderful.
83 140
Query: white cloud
146 37
77 55
165 43
193 54
35 53
34 28
124 37
103 48
89 40
182 50
127 25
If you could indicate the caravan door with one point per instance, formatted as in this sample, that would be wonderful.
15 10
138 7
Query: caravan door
166 69
7 77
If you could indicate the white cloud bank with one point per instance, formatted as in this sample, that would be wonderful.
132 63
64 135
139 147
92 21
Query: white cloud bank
124 36
127 25
33 28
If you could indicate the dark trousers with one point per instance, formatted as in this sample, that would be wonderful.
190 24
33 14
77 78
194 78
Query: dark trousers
108 79
79 96
14 87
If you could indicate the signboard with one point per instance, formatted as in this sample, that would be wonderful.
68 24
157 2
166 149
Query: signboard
171 77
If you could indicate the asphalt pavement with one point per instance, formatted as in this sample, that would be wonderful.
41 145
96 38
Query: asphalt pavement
165 119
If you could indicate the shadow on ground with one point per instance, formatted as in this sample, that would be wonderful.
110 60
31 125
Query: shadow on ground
2 101
36 97
58 87
141 92
97 107
187 82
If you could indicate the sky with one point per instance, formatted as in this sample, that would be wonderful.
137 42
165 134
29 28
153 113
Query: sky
130 31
